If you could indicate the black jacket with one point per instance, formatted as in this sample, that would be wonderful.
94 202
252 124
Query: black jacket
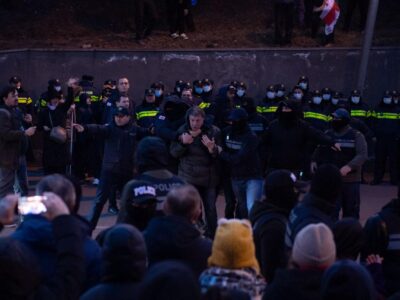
311 210
295 284
196 165
240 153
269 227
173 237
288 144
385 121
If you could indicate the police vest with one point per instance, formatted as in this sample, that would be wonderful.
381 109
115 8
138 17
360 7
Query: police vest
348 149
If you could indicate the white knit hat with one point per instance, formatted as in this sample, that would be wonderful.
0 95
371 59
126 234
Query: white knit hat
314 246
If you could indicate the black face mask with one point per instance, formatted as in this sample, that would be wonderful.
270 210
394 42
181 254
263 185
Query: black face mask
338 125
287 117
238 126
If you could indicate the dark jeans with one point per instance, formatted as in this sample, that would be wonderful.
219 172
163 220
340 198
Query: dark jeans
7 180
209 197
230 200
176 16
21 185
145 16
386 147
108 180
246 192
350 9
284 14
349 201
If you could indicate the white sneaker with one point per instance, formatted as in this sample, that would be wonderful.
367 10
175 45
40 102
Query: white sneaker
184 36
95 181
174 35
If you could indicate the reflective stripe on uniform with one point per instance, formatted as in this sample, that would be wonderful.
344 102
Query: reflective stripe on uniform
24 100
390 116
263 109
204 105
148 113
394 242
360 113
314 115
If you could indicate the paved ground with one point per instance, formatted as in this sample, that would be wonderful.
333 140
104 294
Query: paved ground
372 199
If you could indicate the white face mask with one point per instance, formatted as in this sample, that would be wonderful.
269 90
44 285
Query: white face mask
52 107
317 100
240 92
396 101
270 95
303 85
326 97
335 101
387 101
207 88
298 96
57 88
280 93
355 99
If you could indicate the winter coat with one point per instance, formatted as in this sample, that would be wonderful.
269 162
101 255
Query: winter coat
36 233
173 237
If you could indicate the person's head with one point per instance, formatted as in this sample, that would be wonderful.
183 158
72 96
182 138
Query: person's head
122 101
395 97
280 90
121 116
60 186
183 201
198 87
303 83
241 89
336 96
208 85
387 98
9 96
54 85
355 96
196 118
317 97
340 119
151 154
53 99
249 105
287 112
347 280
187 95
314 248
271 92
15 82
280 189
169 280
297 93
349 238
124 254
233 246
149 95
327 183
326 94
231 92
138 203
158 88
238 117
123 85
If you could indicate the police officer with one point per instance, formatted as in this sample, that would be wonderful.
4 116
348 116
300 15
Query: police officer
118 160
395 97
304 84
297 95
335 102
24 100
349 160
198 90
54 86
241 91
385 124
315 113
358 108
147 111
280 92
267 108
159 91
326 94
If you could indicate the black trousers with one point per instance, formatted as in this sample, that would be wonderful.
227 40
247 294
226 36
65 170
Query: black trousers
386 148
108 180
176 16
350 9
145 17
284 14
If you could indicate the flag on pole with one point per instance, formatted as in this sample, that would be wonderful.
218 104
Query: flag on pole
329 15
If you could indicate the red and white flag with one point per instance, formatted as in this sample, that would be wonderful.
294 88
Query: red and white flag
329 15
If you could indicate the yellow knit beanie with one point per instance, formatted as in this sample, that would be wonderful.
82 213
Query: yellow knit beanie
233 246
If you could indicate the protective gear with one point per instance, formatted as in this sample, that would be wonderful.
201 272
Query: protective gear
387 101
298 96
240 92
52 107
335 101
303 85
355 99
198 90
158 93
57 88
317 100
207 88
280 93
271 95
326 97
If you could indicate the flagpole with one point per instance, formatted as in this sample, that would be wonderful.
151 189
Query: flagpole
367 42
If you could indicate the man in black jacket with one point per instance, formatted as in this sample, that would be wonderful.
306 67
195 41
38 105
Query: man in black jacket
239 151
287 139
174 236
269 218
118 160
319 205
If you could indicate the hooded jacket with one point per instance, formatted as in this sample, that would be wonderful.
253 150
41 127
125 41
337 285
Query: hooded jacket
196 165
173 237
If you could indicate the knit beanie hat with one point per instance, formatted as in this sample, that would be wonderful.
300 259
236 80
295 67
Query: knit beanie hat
314 247
349 238
233 246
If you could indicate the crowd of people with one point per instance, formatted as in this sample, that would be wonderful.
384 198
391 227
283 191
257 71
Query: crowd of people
166 160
